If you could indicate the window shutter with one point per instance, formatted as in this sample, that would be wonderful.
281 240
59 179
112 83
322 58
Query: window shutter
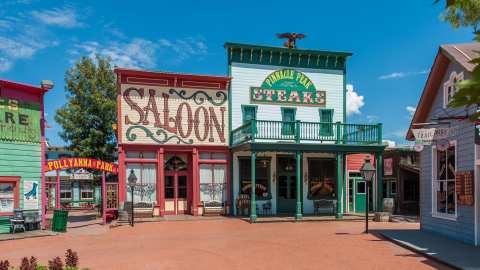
288 117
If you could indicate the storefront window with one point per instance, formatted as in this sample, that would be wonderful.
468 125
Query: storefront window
262 177
146 190
213 178
86 191
65 190
142 155
7 199
213 156
321 178
444 181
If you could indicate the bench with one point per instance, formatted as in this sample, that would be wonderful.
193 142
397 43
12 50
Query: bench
213 208
325 204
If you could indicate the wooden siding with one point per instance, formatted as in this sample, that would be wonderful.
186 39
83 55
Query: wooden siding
463 227
21 159
245 76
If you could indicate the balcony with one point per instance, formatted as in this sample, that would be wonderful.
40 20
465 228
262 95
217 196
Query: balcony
307 132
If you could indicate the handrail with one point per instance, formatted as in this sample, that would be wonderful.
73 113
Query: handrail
298 131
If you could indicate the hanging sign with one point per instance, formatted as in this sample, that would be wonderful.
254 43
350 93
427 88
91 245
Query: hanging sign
427 136
30 195
289 87
388 166
86 163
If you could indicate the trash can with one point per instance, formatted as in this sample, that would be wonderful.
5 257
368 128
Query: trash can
59 222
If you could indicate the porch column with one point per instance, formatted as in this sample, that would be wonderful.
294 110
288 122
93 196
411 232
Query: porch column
298 174
195 182
253 204
122 176
379 174
160 181
339 185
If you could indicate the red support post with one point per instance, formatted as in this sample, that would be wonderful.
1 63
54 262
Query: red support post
122 177
57 190
104 199
161 181
195 182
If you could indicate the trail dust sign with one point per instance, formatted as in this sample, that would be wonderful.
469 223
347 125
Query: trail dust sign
86 163
427 136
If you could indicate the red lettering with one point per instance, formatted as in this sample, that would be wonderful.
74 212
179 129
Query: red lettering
206 129
214 122
179 118
133 105
166 117
152 106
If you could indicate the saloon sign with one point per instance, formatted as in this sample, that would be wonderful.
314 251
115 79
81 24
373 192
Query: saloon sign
158 115
288 86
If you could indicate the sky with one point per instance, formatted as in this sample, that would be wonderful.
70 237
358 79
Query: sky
393 43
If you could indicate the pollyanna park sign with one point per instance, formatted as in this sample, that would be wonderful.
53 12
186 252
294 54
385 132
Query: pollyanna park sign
288 86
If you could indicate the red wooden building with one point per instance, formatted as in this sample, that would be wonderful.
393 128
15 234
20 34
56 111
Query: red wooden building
173 138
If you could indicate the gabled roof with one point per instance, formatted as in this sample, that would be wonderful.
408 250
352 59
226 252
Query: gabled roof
459 53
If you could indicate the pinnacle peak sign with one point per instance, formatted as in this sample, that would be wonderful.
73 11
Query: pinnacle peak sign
288 86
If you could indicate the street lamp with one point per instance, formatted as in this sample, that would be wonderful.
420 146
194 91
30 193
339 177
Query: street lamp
132 182
367 171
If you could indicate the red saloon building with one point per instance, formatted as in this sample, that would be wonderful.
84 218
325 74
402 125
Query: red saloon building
173 139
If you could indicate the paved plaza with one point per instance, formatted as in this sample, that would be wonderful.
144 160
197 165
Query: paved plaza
226 244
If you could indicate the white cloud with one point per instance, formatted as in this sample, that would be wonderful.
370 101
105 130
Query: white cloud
141 53
354 101
372 118
63 17
389 143
5 64
411 110
401 74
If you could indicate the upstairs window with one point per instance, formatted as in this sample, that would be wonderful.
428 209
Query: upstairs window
288 119
249 112
449 87
326 120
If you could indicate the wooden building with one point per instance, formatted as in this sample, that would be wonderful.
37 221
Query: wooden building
173 138
289 134
22 149
450 160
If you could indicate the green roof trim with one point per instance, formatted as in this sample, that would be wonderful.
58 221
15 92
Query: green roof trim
281 56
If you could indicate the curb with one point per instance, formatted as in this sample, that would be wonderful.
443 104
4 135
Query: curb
406 246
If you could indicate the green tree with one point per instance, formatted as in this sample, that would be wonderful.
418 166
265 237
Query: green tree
466 13
89 116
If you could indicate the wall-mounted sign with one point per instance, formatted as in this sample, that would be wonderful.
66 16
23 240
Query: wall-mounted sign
86 163
289 87
30 195
388 166
19 120
156 115
427 136
465 187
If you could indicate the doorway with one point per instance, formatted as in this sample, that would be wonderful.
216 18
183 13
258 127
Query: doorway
357 196
176 185
287 186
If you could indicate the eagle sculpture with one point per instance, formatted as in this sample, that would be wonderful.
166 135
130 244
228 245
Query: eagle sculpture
292 38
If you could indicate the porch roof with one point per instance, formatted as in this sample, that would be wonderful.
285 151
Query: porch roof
308 147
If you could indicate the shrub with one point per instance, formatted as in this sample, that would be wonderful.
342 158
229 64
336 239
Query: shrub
71 258
55 264
4 265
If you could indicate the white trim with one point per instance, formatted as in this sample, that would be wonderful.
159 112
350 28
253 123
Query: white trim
449 83
434 212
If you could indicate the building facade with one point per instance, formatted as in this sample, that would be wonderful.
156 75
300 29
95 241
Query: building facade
78 187
450 159
355 185
22 149
173 139
289 135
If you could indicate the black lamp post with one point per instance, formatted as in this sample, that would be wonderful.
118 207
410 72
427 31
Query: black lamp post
367 171
132 182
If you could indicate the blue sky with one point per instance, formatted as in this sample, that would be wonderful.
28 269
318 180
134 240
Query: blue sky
393 43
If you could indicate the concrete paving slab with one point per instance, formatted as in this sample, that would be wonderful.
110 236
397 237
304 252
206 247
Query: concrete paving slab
454 253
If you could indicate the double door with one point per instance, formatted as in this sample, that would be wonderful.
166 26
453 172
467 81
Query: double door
176 192
287 185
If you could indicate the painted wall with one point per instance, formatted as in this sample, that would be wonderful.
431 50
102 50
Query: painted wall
462 226
250 75
159 115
